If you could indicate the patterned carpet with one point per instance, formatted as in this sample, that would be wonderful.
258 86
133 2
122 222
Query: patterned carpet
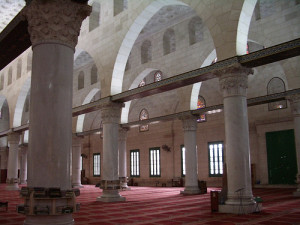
154 205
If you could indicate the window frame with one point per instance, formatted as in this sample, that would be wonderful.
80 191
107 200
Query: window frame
209 162
137 162
157 162
96 175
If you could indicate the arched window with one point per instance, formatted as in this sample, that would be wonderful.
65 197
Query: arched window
29 61
142 83
201 104
94 19
120 6
94 75
144 115
158 76
2 82
195 30
169 42
146 51
276 85
19 68
80 80
9 80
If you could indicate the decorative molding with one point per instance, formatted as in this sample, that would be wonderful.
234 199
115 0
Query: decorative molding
234 80
189 123
57 21
234 85
111 112
13 138
123 133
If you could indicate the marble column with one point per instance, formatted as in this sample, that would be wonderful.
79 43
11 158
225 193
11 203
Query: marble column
23 167
233 85
12 166
54 28
110 183
191 163
295 103
76 153
123 159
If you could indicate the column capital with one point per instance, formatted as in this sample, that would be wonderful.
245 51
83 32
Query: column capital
111 112
56 21
23 149
295 103
189 122
123 133
234 80
77 140
13 138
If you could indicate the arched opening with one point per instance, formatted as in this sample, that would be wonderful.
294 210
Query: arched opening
169 41
24 92
88 99
195 30
130 38
94 19
146 52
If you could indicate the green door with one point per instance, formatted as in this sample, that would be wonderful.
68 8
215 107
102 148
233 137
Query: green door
281 150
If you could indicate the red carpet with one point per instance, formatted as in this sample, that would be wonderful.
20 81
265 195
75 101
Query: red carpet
154 205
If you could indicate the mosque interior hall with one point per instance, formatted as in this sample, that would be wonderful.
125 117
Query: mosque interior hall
183 111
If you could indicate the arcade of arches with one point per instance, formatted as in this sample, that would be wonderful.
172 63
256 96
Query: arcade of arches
125 45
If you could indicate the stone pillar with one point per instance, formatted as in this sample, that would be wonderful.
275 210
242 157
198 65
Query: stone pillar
54 28
233 85
191 163
23 167
295 103
123 159
110 183
76 153
12 167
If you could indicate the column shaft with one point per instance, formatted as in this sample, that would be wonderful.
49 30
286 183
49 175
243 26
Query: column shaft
76 153
111 114
123 158
12 169
23 167
295 103
54 28
191 162
233 84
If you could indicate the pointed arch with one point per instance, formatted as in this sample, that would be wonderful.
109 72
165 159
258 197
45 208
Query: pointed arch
244 25
135 83
197 86
17 120
130 37
88 98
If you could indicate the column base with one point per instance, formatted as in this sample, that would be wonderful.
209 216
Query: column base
111 196
12 187
191 191
49 220
77 186
23 182
240 209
